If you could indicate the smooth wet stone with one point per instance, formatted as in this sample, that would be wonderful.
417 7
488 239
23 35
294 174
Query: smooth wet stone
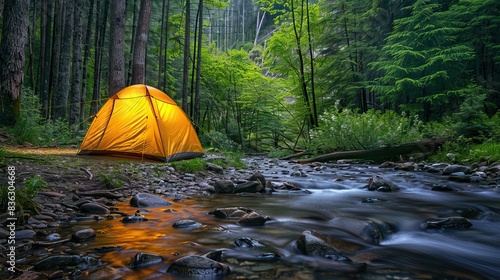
94 208
364 229
215 168
245 242
442 188
249 187
214 255
148 200
83 235
230 212
64 261
186 224
134 219
198 266
377 183
53 237
25 234
223 186
253 219
454 168
447 223
141 260
313 243
258 177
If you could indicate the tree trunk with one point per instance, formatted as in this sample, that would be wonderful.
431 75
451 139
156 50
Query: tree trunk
99 46
60 98
76 79
196 111
86 56
12 58
47 15
140 46
185 68
117 47
56 52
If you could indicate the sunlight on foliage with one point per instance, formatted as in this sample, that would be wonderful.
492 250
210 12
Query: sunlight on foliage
189 166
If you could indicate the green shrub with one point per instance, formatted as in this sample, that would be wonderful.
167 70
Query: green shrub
24 197
350 130
31 127
190 165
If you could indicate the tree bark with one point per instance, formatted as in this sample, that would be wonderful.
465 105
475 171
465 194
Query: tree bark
12 59
47 15
425 147
99 45
76 76
141 40
117 47
185 68
86 56
60 97
196 109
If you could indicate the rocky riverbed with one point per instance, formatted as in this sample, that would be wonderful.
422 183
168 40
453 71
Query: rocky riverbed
275 219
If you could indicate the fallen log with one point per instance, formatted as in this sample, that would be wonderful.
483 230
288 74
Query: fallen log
425 147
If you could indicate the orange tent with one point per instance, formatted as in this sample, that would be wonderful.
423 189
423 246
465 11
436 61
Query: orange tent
142 121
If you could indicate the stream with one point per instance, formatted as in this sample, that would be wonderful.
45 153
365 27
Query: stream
329 193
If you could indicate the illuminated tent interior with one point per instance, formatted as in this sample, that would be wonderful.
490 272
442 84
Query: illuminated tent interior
142 121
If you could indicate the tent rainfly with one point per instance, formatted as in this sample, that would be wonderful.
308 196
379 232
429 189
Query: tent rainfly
142 121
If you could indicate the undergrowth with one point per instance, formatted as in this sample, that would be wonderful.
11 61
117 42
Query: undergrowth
24 197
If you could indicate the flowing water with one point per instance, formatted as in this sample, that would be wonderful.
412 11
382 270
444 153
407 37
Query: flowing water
406 251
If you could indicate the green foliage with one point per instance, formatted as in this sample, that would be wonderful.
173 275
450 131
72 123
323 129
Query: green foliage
24 197
465 151
111 180
190 165
34 129
218 140
471 120
349 130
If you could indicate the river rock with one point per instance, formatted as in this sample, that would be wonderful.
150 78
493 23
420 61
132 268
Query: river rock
4 233
186 224
83 235
223 186
134 219
313 243
249 187
230 212
141 260
53 237
245 242
148 200
451 222
94 208
377 183
214 255
64 261
258 177
215 168
198 266
455 168
366 230
25 234
253 219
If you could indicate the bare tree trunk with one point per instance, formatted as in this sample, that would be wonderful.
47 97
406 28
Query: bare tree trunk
258 26
76 79
12 58
117 47
311 54
196 111
132 46
185 69
99 46
141 40
47 15
86 56
56 52
60 98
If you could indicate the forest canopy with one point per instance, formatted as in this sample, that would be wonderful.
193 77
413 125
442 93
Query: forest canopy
258 75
